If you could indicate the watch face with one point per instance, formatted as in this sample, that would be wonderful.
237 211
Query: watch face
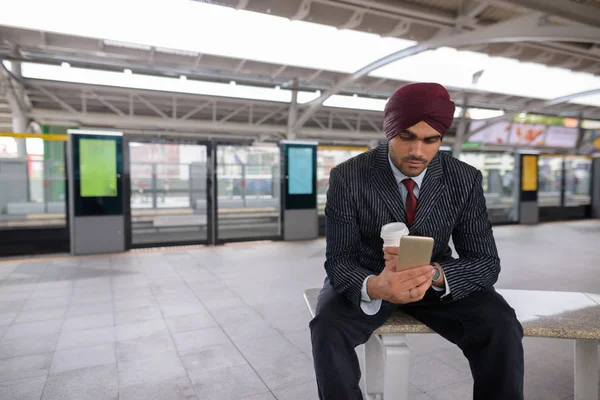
437 273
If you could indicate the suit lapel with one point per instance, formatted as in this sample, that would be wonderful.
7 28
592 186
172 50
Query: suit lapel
431 191
384 183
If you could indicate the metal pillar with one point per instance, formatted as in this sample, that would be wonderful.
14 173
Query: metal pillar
17 102
293 115
461 129
596 187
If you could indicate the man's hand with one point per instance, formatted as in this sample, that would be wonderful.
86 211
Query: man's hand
400 287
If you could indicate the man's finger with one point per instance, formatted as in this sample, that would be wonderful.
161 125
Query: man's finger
413 273
420 290
391 250
388 257
391 265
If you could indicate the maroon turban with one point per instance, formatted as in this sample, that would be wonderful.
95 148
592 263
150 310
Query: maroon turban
416 102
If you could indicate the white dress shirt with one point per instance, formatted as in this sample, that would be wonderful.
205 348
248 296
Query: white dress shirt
371 307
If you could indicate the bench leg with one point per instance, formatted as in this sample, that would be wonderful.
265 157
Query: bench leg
586 370
375 367
396 367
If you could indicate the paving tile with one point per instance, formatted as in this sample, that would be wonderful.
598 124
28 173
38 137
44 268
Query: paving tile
40 315
3 330
139 329
213 357
83 357
39 303
28 346
420 373
303 391
145 347
137 314
8 318
262 396
190 322
162 367
86 338
249 330
23 389
84 322
265 349
33 329
97 383
234 316
79 309
25 367
171 389
125 304
301 340
285 371
227 383
192 341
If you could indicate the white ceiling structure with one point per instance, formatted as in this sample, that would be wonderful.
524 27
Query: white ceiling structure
229 69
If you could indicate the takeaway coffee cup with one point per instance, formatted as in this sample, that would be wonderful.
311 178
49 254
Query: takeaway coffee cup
392 233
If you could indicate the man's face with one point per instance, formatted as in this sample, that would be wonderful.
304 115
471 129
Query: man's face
413 149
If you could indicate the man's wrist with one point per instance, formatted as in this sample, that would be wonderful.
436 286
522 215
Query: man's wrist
372 287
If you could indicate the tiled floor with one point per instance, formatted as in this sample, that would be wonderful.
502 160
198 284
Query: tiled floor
230 322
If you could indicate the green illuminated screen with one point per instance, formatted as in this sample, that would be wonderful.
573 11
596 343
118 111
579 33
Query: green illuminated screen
98 168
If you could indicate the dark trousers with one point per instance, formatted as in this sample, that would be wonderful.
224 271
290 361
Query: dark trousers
482 325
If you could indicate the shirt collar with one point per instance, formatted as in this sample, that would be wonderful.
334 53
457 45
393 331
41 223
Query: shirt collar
400 176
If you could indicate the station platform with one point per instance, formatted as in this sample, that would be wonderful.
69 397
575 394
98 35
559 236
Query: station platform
230 322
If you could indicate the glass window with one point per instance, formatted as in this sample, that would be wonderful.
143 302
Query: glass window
32 182
168 193
249 191
497 170
550 173
578 181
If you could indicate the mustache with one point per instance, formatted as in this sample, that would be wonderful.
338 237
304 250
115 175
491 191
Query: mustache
415 159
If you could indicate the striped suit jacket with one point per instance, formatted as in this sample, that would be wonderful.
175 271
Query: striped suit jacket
363 196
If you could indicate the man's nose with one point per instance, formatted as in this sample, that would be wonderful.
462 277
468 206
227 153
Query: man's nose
416 148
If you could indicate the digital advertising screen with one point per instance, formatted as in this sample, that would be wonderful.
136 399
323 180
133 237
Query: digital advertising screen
300 170
98 168
300 163
97 164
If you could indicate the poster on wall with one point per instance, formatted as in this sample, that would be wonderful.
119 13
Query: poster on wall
494 134
527 134
560 136
8 147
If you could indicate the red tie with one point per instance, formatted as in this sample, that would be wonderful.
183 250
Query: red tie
411 201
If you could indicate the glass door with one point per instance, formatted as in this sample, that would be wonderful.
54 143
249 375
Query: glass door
248 193
169 193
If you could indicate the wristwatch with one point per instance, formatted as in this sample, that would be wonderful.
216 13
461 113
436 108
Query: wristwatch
437 274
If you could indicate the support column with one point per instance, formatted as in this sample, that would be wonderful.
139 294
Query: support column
19 120
461 129
293 114
596 187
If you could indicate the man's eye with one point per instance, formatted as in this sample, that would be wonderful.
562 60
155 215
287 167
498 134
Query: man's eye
431 140
406 136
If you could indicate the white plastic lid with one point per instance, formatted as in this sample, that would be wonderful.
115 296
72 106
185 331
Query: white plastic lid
394 229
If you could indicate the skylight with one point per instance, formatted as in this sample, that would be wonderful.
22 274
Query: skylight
192 26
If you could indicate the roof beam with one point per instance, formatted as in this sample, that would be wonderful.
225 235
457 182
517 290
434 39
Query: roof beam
195 126
519 29
533 105
570 10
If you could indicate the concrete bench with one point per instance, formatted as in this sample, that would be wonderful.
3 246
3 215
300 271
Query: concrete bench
561 315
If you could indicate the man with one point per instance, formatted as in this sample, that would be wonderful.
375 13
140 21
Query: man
407 179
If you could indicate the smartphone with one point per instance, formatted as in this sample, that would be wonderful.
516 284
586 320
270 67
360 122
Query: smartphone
415 251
